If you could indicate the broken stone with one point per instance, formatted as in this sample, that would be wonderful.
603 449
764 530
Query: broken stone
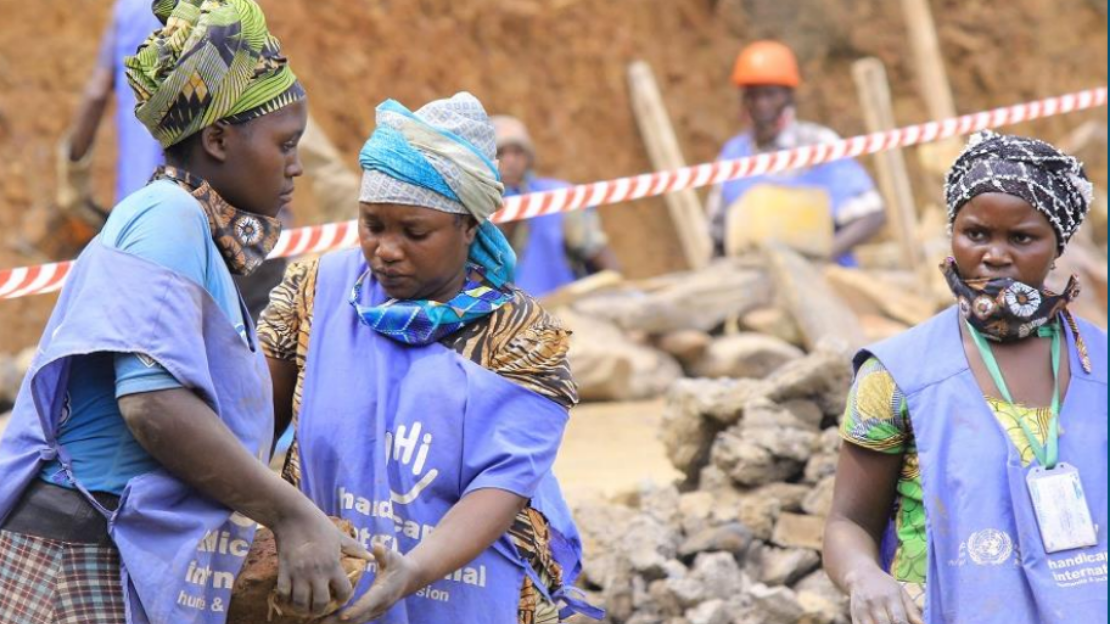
799 531
775 605
819 583
759 513
761 412
600 526
696 509
820 466
807 412
722 400
772 322
748 462
784 566
666 601
733 538
830 441
818 609
789 495
744 355
648 544
821 376
661 503
253 596
718 574
609 365
684 592
819 500
687 436
686 345
709 612
713 479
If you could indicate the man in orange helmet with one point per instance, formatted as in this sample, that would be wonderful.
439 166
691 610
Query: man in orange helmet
767 74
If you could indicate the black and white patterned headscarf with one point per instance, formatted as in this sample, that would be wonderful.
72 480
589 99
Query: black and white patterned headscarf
1050 180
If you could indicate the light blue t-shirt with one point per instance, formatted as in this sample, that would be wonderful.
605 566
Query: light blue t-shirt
162 223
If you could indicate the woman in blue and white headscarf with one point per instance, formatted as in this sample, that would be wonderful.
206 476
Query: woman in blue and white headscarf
429 394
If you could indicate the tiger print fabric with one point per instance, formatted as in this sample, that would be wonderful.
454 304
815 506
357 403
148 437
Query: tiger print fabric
520 341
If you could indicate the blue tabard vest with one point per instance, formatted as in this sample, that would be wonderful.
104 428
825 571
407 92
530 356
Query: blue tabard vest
986 560
392 436
180 551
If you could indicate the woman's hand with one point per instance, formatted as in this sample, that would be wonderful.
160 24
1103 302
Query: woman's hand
876 598
309 570
396 578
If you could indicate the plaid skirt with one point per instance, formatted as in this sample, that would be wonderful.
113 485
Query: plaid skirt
45 581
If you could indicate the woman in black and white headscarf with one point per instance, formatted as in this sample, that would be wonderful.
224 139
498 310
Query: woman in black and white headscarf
958 497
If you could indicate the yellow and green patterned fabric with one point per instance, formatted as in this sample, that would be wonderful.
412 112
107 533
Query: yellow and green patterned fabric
212 60
877 418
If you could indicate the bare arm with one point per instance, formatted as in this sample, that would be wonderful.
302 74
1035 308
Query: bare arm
864 495
90 111
469 528
857 232
180 431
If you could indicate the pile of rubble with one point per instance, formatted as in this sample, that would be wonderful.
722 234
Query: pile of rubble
739 541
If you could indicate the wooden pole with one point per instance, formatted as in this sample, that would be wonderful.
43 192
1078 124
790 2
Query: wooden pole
931 77
932 82
685 209
894 180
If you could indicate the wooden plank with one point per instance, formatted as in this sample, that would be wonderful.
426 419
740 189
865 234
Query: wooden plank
685 209
823 319
894 179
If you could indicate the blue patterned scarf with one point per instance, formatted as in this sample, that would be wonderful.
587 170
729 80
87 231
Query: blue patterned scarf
440 157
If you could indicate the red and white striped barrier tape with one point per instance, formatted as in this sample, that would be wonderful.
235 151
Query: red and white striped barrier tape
47 278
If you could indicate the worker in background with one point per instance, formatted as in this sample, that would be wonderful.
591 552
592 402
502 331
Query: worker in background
552 250
767 74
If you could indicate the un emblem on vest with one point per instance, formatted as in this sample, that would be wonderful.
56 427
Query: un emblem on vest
989 547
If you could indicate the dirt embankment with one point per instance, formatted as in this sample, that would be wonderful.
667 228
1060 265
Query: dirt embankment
560 65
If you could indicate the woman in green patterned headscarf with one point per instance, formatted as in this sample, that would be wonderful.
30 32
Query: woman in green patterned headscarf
214 60
214 89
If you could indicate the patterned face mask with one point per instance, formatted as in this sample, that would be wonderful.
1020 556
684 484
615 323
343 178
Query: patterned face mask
243 238
1004 309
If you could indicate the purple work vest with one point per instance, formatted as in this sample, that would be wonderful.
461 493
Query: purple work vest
180 551
986 560
542 265
392 436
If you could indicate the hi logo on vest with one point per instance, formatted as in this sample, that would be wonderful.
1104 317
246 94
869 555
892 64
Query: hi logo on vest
408 448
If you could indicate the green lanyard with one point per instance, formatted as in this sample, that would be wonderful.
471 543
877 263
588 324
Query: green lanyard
1048 453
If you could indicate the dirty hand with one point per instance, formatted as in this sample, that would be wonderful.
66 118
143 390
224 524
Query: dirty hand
309 571
395 579
876 598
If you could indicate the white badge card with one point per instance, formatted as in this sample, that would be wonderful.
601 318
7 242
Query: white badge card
1061 507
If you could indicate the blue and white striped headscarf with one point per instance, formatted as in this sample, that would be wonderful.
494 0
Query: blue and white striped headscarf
441 157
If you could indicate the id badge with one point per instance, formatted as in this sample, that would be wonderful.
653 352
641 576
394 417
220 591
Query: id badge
1061 508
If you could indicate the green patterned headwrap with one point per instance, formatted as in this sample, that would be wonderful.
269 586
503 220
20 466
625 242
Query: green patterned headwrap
212 60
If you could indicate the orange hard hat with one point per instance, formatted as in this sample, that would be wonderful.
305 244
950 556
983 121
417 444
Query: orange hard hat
766 63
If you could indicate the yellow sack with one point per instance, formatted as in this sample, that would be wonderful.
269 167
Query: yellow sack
800 218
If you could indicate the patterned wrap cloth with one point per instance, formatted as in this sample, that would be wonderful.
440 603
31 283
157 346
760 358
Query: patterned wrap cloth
1051 181
442 158
212 60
